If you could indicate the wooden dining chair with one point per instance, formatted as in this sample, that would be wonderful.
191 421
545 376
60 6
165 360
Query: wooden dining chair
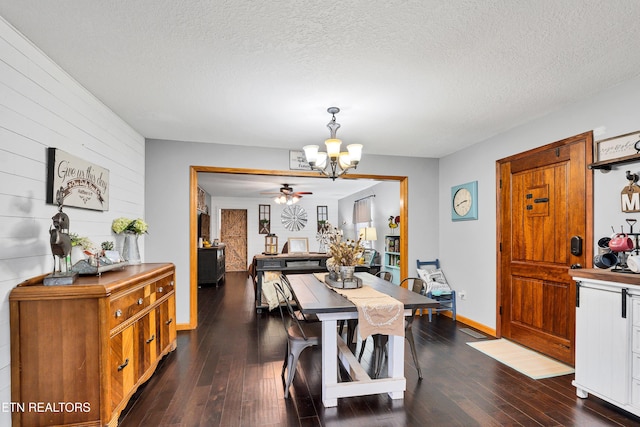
300 336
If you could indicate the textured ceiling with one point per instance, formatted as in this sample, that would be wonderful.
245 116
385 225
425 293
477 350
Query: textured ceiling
421 78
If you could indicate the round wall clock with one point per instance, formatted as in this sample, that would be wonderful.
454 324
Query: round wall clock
294 218
464 201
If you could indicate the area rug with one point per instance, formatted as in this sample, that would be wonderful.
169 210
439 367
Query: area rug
523 360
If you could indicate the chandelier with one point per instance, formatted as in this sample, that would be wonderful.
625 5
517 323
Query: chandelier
333 163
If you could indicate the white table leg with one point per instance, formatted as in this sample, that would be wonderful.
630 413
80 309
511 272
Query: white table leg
329 360
396 362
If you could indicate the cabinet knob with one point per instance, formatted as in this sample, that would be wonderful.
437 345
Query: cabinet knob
118 313
172 283
160 289
168 322
140 301
153 337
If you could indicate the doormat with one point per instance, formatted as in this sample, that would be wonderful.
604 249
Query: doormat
523 360
472 333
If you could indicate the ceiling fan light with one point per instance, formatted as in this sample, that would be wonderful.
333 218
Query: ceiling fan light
333 147
355 152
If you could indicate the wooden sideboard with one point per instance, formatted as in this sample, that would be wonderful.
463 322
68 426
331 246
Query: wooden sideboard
80 351
292 263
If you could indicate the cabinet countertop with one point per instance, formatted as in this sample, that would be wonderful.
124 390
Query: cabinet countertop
605 275
91 286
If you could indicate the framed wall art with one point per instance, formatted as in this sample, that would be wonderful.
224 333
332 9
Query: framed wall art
264 219
298 245
79 183
617 147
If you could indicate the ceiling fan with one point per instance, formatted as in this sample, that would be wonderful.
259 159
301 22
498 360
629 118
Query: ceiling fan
287 195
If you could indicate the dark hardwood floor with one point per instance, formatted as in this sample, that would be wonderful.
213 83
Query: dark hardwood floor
227 373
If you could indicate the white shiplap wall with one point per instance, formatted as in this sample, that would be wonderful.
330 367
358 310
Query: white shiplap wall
41 106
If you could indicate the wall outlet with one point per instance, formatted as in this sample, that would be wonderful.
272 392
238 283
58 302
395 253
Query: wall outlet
463 294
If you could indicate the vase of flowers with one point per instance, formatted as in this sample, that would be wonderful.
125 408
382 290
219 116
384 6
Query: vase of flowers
343 255
131 229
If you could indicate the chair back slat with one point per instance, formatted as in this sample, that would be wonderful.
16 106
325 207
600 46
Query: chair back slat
293 319
289 288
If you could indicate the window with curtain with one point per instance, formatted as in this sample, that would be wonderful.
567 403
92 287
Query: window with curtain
362 214
362 211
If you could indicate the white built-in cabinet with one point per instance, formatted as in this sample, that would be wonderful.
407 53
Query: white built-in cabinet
607 340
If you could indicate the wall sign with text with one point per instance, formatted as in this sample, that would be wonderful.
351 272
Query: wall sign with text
298 161
80 183
630 198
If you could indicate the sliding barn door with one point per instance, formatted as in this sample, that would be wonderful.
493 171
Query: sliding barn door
233 233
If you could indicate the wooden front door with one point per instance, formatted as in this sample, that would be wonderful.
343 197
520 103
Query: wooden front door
545 199
233 232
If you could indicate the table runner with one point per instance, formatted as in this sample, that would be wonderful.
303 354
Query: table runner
378 313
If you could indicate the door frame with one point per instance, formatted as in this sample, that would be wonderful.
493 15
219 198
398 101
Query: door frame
193 219
588 239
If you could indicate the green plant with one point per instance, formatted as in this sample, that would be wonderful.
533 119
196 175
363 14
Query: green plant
106 246
84 242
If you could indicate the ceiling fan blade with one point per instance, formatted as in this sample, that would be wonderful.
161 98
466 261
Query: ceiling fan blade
298 193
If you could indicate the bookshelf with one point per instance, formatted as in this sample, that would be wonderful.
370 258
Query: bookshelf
392 256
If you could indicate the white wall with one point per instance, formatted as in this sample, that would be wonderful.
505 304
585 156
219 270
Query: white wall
167 197
468 248
255 241
385 203
41 106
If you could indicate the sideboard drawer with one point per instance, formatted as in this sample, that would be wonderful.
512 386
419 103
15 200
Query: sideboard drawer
164 286
270 263
126 306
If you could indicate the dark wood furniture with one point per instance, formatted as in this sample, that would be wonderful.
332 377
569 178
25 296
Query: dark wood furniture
84 349
312 262
211 264
286 263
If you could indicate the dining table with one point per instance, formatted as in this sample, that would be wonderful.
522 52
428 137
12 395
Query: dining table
317 297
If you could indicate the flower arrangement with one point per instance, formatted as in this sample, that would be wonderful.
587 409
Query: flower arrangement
126 225
82 241
342 253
